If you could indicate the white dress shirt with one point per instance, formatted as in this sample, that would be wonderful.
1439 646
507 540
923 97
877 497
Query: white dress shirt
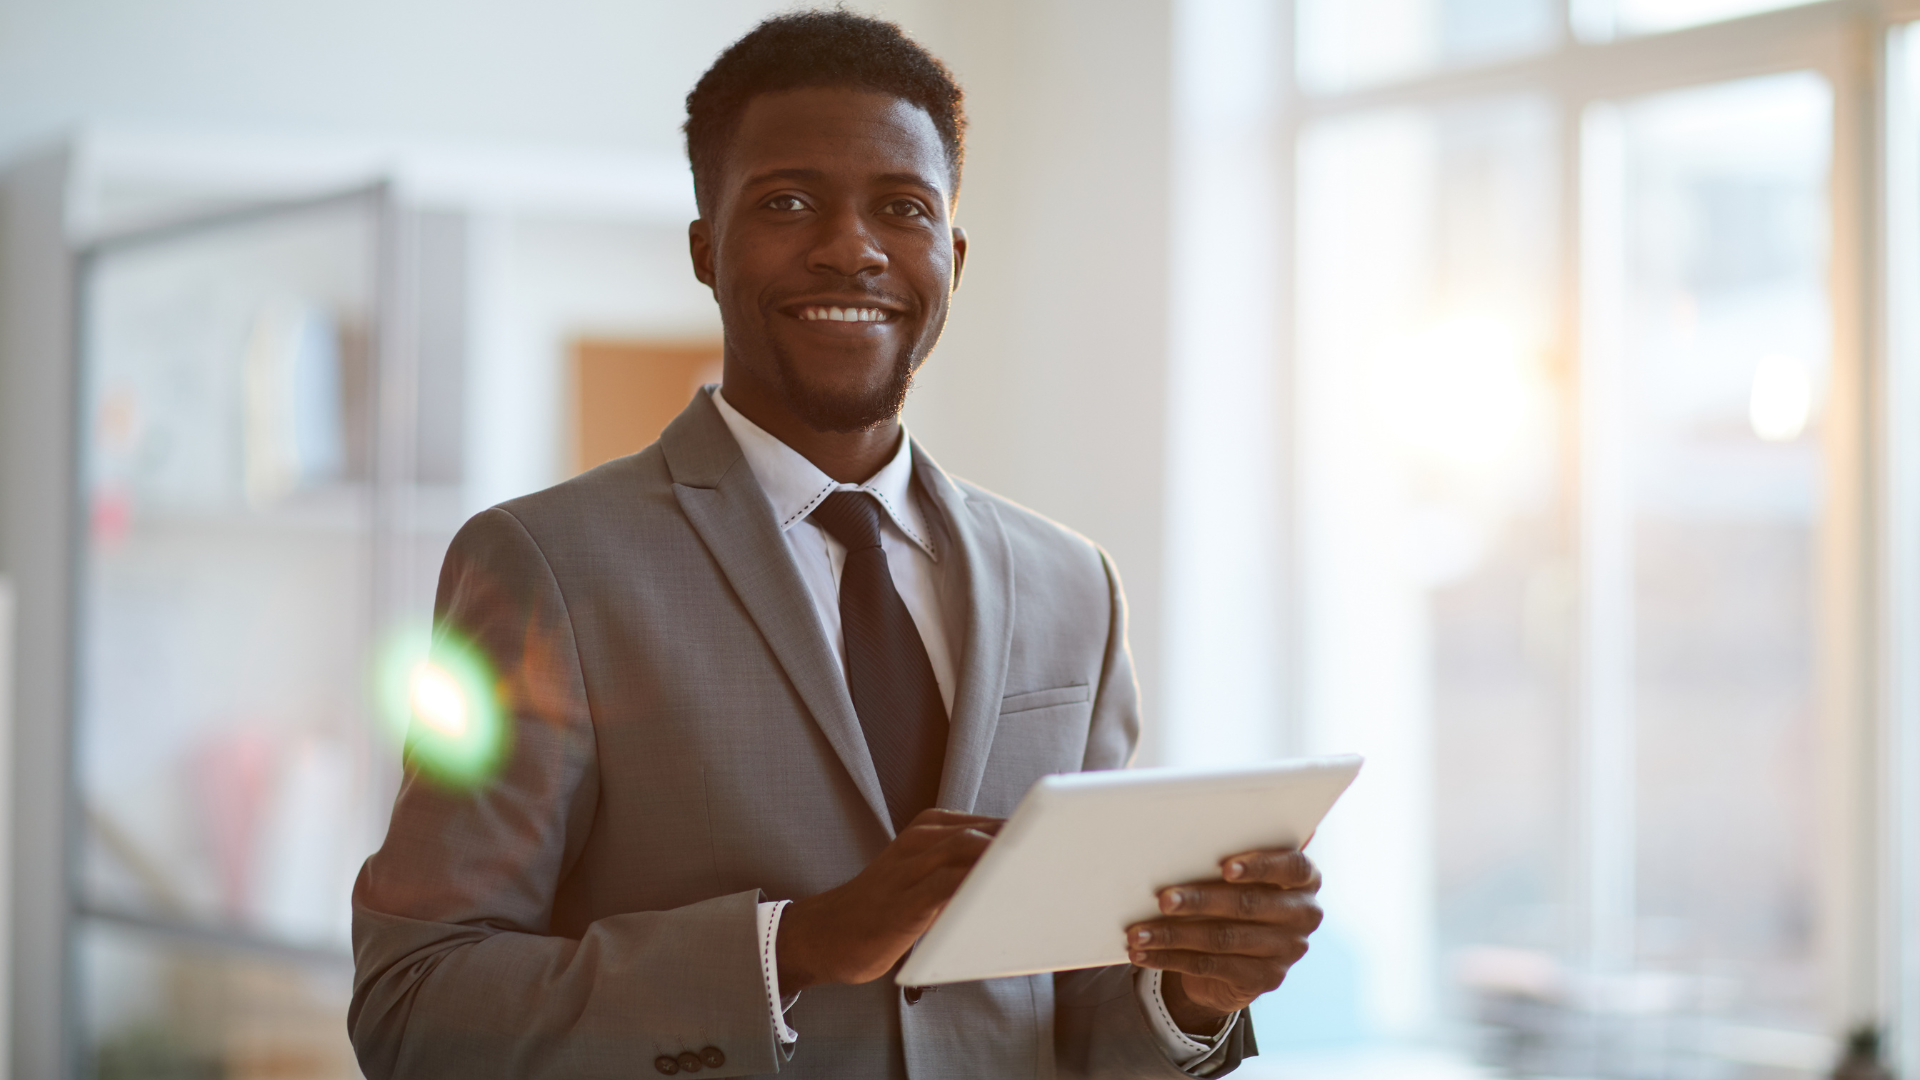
795 486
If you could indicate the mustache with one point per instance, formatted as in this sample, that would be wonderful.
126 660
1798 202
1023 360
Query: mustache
841 285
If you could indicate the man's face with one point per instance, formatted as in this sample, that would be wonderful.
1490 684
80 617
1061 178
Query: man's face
830 251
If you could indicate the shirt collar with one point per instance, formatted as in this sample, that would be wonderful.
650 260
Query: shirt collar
795 485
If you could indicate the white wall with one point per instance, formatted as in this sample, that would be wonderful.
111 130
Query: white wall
577 72
537 285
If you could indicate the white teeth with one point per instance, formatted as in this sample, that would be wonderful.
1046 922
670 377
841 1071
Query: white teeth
840 314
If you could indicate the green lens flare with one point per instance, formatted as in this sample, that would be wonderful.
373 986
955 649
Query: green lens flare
438 697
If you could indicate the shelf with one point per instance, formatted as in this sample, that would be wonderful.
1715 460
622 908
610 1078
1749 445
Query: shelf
218 937
341 509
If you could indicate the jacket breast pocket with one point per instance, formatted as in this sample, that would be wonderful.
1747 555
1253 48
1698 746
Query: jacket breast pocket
1040 699
1040 732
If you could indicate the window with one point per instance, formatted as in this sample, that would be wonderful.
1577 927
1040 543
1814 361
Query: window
1600 20
1705 369
1583 504
1344 44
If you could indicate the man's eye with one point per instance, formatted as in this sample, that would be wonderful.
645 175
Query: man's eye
785 202
905 208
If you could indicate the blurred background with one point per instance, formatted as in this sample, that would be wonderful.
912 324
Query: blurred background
1523 393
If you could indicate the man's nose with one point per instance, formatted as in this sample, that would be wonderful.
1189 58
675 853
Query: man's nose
846 246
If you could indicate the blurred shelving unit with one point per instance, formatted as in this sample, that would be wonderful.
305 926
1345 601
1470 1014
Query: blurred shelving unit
251 389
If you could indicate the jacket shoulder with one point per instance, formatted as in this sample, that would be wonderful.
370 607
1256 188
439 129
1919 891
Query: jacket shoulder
1037 536
610 494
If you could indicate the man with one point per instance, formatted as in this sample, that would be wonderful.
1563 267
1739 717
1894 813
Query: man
774 680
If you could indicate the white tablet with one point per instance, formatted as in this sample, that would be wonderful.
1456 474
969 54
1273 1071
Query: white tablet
1085 854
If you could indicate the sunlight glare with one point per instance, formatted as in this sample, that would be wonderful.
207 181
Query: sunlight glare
441 702
1781 402
1460 393
436 700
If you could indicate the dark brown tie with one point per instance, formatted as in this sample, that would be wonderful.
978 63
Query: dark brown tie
891 680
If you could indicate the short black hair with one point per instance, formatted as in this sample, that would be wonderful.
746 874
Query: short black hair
807 49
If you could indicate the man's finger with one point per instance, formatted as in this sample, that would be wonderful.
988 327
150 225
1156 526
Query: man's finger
1283 867
965 845
957 847
935 815
1216 936
1255 903
920 837
1248 976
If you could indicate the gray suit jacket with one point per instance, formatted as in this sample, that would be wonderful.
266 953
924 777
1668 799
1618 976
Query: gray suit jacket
682 746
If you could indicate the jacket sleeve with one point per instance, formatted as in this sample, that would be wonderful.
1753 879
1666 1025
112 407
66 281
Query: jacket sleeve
458 968
1100 1030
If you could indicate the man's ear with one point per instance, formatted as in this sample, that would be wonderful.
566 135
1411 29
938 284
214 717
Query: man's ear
700 246
959 254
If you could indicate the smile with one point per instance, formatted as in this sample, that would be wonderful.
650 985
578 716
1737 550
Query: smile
817 313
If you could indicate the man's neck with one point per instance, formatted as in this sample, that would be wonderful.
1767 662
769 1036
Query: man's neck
850 457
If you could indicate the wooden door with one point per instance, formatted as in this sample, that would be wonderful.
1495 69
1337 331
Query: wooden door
625 392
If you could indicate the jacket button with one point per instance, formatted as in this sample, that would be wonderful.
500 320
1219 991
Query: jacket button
713 1057
690 1061
666 1064
913 994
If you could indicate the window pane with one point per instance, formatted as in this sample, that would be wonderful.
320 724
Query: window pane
1596 867
1344 44
1435 561
1599 20
1710 320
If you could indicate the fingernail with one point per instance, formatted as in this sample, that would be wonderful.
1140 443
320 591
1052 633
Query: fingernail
1136 956
1174 899
1142 937
1236 868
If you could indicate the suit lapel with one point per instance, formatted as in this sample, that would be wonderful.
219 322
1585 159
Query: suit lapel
980 569
718 493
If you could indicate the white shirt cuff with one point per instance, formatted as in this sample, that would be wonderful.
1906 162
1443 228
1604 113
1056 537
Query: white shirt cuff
768 917
1189 1052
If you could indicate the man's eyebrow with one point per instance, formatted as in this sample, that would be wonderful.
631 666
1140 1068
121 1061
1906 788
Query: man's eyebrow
815 175
911 180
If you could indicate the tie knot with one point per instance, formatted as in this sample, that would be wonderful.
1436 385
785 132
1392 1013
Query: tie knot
851 518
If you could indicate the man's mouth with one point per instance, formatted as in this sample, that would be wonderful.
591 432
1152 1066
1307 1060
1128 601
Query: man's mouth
822 313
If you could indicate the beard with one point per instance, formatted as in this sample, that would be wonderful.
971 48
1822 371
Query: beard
846 412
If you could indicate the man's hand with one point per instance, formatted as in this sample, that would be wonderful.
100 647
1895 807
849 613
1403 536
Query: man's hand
855 933
1224 943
